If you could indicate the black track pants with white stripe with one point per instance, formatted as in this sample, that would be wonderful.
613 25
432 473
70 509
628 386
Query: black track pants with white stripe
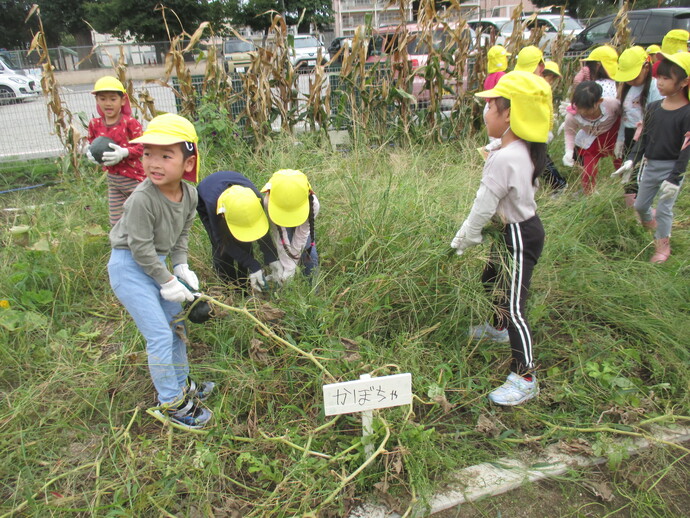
506 279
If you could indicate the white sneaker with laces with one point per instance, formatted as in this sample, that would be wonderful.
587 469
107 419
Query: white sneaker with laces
514 391
486 331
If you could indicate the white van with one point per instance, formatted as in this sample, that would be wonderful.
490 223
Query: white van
305 51
15 86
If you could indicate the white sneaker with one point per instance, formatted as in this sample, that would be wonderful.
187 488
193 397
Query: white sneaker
514 391
488 332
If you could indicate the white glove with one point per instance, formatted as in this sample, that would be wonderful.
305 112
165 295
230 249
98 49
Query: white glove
288 273
549 138
117 155
257 280
568 159
175 291
90 157
183 272
563 108
276 272
462 241
627 166
668 190
618 149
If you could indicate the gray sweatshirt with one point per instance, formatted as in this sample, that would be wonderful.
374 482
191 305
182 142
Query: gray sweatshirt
152 225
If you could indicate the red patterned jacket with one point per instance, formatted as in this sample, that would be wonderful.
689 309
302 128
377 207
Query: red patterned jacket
126 129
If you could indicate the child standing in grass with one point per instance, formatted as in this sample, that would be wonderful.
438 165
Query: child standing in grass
155 224
291 206
664 145
520 113
122 163
593 128
637 91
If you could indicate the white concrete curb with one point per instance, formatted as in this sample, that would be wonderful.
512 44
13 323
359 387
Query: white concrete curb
486 479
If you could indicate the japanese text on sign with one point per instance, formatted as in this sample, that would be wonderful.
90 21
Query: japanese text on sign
367 394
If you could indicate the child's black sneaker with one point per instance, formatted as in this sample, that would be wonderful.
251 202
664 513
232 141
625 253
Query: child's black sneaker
200 391
188 414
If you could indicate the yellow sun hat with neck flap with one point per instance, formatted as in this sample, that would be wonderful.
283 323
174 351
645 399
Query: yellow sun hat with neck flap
169 129
243 212
675 40
497 59
607 56
288 199
528 59
531 109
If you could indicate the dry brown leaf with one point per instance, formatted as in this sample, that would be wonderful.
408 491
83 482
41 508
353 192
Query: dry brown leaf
601 490
257 352
446 406
576 446
267 313
487 426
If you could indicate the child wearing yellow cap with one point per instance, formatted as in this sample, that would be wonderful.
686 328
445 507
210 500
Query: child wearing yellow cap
665 146
122 161
638 89
600 66
593 128
154 226
230 209
675 40
520 113
496 65
291 206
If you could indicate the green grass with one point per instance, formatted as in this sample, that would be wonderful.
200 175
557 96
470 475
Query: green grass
610 339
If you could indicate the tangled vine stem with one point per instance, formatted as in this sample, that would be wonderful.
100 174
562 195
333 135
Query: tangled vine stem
266 331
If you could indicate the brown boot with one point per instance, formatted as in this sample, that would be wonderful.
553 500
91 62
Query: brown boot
663 250
629 198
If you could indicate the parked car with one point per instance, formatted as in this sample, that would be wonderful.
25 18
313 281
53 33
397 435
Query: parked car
305 50
551 24
237 55
15 87
490 28
7 62
385 41
337 44
647 27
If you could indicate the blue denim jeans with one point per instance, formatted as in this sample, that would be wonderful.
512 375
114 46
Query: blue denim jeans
140 295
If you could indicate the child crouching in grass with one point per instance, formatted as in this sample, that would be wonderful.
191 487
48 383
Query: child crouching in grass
155 224
520 114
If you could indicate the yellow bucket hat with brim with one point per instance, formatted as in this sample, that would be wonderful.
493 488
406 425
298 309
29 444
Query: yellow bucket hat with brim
243 213
168 129
552 67
531 109
653 49
630 64
607 56
497 59
675 40
108 84
288 200
528 59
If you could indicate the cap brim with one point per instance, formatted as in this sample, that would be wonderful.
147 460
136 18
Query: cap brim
247 235
157 139
294 218
623 77
488 94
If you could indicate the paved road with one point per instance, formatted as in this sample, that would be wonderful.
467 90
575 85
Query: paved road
29 132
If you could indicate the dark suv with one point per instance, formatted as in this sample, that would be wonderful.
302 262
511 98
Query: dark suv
647 26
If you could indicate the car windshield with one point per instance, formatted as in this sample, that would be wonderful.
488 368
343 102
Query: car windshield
238 46
10 62
303 43
507 28
569 24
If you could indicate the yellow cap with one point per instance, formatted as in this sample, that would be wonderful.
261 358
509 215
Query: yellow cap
288 201
528 59
531 110
168 129
675 41
682 59
108 84
630 64
497 59
243 212
552 67
653 49
607 56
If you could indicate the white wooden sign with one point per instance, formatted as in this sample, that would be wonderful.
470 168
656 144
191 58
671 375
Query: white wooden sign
367 394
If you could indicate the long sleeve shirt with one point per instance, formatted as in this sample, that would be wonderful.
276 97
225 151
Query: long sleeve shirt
126 129
663 136
152 226
611 110
210 189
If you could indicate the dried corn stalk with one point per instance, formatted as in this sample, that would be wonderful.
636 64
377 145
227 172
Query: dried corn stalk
63 120
621 39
